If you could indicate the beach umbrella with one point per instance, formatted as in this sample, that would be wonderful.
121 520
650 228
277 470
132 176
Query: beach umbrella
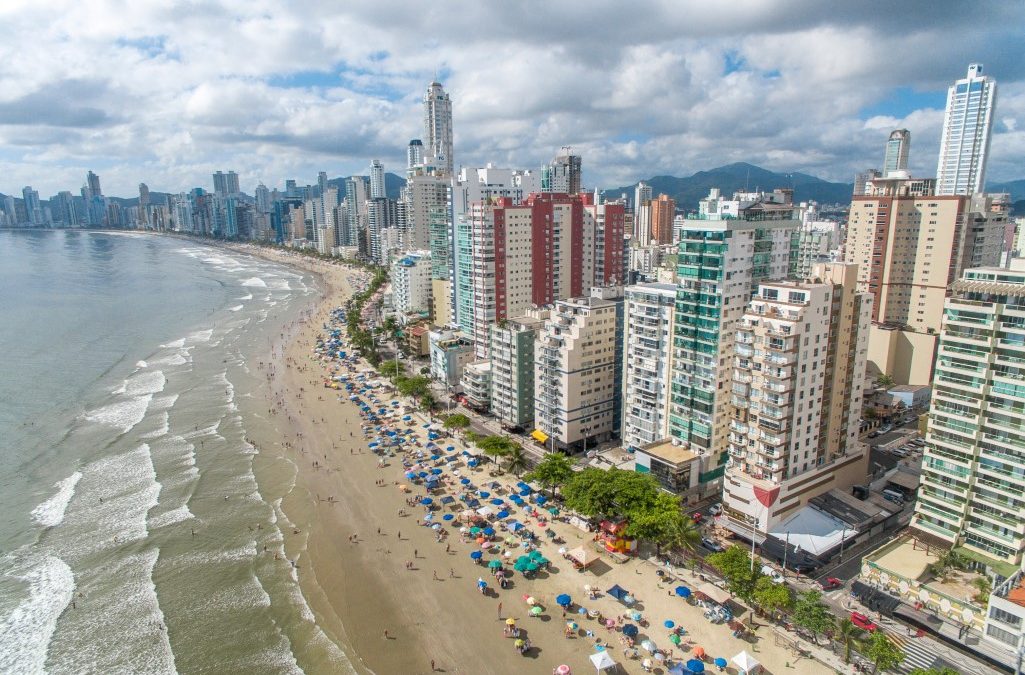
447 516
541 499
426 501
495 564
476 555
510 621
475 530
450 448
407 418
683 591
649 645
562 670
563 600
582 610
571 625
536 611
695 666
497 502
698 652
483 494
372 444
668 623
482 584
720 662
464 481
422 474
674 638
541 560
410 475
533 567
489 531
472 462
524 493
502 514
436 472
678 669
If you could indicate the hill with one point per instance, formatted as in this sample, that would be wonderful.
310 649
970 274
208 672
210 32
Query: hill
740 176
1015 187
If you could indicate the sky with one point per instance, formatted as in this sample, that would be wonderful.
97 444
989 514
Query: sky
167 92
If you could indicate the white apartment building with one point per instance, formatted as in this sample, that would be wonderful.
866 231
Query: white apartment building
411 283
512 368
796 392
577 376
964 142
647 352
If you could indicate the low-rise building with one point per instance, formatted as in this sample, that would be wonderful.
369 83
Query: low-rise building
677 469
450 352
477 385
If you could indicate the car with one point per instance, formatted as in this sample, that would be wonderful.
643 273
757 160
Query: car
863 622
715 509
712 545
831 583
696 516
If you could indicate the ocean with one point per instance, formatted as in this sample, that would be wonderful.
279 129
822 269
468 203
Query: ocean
142 533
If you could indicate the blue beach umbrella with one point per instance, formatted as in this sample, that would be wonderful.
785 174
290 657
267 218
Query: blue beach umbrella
406 418
447 516
541 499
476 555
410 475
524 493
472 462
426 501
502 514
450 448
373 444
435 457
497 502
464 481
696 666
630 630
563 600
668 623
489 531
483 494
422 474
436 472
683 591
720 662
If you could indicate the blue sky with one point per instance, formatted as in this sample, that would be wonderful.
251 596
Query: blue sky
148 92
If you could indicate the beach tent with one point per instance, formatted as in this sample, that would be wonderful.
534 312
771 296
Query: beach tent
618 592
485 511
582 556
745 662
714 593
602 661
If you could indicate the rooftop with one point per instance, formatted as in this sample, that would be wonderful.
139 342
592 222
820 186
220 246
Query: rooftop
669 453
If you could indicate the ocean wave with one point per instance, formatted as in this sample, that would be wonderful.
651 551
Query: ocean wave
144 383
165 426
165 402
201 335
235 308
171 517
247 296
51 512
25 634
177 344
141 364
255 282
279 285
122 415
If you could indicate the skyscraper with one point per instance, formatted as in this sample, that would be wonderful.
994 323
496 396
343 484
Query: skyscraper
642 195
648 348
438 126
562 175
376 179
964 143
414 154
897 149
226 183
33 209
663 210
93 181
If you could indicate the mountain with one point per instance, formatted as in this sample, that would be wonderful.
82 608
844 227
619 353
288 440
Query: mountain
1015 187
393 184
740 176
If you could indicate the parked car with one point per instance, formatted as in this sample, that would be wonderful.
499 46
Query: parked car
696 516
712 545
715 509
863 622
831 583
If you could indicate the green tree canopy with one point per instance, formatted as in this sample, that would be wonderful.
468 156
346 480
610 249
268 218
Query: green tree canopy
770 596
848 636
734 564
552 471
390 369
664 523
515 458
494 446
610 494
883 653
934 671
811 613
457 421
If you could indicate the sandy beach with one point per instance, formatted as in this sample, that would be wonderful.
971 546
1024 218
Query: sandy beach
353 548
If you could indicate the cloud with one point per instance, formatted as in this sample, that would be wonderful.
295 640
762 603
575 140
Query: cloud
167 92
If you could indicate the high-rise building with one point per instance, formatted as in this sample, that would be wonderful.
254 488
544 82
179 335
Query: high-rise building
411 283
438 127
377 179
972 480
647 352
321 182
414 154
381 215
226 184
642 195
898 146
65 210
724 254
263 200
356 194
663 211
563 174
799 370
964 143
578 371
93 182
863 180
512 368
33 207
551 247
910 245
426 194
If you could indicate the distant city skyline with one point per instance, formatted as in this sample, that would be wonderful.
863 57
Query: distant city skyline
659 90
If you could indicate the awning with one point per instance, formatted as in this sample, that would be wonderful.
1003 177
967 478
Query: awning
582 556
539 436
714 593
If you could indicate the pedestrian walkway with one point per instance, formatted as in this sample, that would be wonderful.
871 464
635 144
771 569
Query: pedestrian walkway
924 652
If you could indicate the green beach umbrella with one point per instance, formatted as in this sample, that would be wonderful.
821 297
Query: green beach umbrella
536 611
532 567
474 530
541 560
535 554
495 564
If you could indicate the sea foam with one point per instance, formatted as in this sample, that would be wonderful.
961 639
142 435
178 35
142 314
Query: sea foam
255 282
51 512
26 632
122 415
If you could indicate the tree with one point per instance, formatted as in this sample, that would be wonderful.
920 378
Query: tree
457 422
515 458
390 369
934 671
848 636
884 381
770 596
883 653
734 564
552 471
416 387
494 447
812 614
390 326
663 523
427 401
610 494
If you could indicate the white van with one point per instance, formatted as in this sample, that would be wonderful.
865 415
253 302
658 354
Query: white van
893 496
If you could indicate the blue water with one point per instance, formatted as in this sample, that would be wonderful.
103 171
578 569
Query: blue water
135 530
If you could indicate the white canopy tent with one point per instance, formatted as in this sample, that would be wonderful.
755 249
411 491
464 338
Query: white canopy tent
602 661
746 662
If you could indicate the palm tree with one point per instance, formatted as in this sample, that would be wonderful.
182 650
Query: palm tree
884 381
690 535
848 636
515 458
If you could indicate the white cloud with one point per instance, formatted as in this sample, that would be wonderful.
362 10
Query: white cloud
167 92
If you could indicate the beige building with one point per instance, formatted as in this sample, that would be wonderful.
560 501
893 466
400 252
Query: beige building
910 245
578 371
796 395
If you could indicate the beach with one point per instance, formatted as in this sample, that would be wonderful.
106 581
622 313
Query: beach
352 546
